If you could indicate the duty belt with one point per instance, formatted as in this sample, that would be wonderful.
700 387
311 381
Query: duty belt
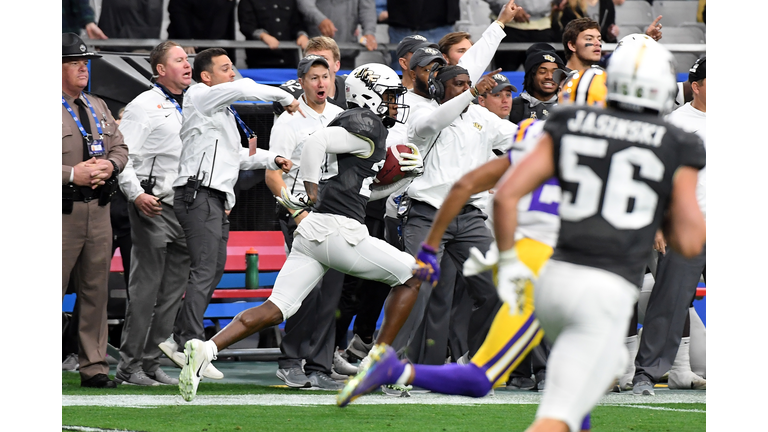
80 193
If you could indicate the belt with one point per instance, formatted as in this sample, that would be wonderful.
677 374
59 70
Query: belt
80 193
466 209
215 193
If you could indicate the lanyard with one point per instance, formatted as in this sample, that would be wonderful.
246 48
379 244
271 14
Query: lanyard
77 120
170 98
248 131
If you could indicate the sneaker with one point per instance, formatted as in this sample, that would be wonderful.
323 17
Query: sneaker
384 368
71 363
171 349
197 359
160 376
321 381
137 378
98 381
357 349
521 383
341 365
686 380
463 360
338 377
644 387
294 377
397 390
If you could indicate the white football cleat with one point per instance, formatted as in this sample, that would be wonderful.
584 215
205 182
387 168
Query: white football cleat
197 360
171 349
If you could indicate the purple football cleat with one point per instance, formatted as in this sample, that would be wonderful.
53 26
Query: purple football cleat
385 368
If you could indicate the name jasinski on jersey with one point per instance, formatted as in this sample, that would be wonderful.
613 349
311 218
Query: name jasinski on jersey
617 128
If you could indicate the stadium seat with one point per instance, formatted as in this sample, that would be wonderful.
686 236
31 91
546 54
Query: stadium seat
637 13
675 12
628 30
684 61
682 35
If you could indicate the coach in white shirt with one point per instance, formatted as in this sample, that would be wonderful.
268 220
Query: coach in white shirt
210 162
160 265
454 136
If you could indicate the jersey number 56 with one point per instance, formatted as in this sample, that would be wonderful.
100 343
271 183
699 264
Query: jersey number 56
620 186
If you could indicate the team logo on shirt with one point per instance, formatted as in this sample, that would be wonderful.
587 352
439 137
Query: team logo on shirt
478 126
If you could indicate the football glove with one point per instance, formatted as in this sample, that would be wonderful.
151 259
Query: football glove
513 275
426 267
411 163
294 202
478 263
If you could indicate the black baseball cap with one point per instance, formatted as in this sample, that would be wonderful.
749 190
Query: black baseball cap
73 46
699 70
502 82
307 62
411 43
424 56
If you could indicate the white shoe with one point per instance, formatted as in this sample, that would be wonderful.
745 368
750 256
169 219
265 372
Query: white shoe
625 381
365 363
681 376
198 357
171 349
341 365
463 360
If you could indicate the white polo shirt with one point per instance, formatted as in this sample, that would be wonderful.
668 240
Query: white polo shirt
150 127
211 142
289 133
453 143
690 119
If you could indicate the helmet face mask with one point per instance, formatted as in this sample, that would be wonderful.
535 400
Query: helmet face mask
366 86
641 78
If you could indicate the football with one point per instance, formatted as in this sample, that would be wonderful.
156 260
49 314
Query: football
390 172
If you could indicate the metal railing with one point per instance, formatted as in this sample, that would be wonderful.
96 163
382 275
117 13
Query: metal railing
289 45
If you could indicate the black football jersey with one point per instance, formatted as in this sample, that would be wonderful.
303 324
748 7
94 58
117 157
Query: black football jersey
293 87
615 169
347 193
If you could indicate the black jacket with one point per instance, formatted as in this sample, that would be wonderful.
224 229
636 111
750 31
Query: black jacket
280 19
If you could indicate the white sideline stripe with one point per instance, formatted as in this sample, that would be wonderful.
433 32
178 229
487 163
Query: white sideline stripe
650 407
500 398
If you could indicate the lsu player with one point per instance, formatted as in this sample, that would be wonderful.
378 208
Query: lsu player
515 330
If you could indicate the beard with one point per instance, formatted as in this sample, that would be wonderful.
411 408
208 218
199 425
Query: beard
421 86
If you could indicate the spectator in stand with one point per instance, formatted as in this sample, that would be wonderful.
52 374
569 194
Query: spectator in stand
272 22
202 19
347 15
77 15
533 23
381 11
131 19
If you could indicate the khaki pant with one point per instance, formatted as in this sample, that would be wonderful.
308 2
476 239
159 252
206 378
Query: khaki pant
86 242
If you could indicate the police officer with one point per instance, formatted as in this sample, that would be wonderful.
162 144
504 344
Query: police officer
93 153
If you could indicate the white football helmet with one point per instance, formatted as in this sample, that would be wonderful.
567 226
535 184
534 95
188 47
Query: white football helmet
634 37
641 76
365 87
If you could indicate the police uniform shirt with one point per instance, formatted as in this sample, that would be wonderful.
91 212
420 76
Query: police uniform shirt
209 131
72 140
692 120
289 133
151 125
452 144
616 171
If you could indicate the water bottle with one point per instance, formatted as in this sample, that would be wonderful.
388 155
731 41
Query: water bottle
252 269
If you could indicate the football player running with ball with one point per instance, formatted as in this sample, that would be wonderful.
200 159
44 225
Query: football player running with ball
334 234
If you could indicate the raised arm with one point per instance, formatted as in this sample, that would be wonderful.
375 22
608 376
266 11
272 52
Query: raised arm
208 100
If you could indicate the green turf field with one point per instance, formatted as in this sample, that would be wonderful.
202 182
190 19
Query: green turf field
243 407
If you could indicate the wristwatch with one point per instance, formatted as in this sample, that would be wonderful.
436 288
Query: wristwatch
115 169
